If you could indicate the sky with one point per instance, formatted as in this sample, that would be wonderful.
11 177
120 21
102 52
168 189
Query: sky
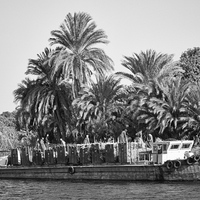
132 26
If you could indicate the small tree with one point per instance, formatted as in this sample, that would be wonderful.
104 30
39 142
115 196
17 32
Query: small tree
190 62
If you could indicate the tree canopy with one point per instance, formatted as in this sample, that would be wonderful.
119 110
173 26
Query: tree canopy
190 62
75 91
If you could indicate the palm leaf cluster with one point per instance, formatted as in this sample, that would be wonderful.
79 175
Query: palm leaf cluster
45 102
161 103
74 91
98 104
79 58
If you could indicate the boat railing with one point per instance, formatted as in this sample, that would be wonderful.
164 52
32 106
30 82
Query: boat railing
4 153
82 154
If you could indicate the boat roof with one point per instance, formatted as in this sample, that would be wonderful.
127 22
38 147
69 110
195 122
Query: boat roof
175 141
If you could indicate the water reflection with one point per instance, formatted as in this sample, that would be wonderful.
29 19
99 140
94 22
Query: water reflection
43 190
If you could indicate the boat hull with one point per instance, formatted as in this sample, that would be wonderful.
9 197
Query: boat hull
104 172
183 173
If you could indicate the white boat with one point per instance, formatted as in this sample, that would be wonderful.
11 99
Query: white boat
168 160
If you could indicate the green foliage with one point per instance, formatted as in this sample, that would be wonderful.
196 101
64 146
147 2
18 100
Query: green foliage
145 66
97 105
45 101
192 124
12 138
79 57
171 109
150 73
72 95
190 62
8 134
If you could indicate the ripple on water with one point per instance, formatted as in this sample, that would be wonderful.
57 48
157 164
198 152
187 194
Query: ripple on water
47 190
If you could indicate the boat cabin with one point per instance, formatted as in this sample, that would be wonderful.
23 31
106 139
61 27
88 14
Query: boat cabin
170 150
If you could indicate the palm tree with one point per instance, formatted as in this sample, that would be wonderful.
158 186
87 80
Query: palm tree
142 116
149 73
171 110
49 98
192 125
148 66
161 109
100 103
25 94
78 57
28 92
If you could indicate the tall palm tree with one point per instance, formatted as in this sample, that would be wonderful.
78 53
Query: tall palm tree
148 66
25 96
49 99
78 57
28 91
149 73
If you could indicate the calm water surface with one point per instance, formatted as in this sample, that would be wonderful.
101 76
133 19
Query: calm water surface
42 190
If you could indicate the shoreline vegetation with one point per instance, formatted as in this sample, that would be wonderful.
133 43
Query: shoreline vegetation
75 92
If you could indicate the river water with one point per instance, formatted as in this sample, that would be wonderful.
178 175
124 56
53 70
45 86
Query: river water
77 190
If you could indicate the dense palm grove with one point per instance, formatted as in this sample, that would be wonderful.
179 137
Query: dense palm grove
72 90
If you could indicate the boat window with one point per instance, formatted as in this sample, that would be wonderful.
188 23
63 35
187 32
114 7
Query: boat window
164 147
175 146
160 148
155 148
186 146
